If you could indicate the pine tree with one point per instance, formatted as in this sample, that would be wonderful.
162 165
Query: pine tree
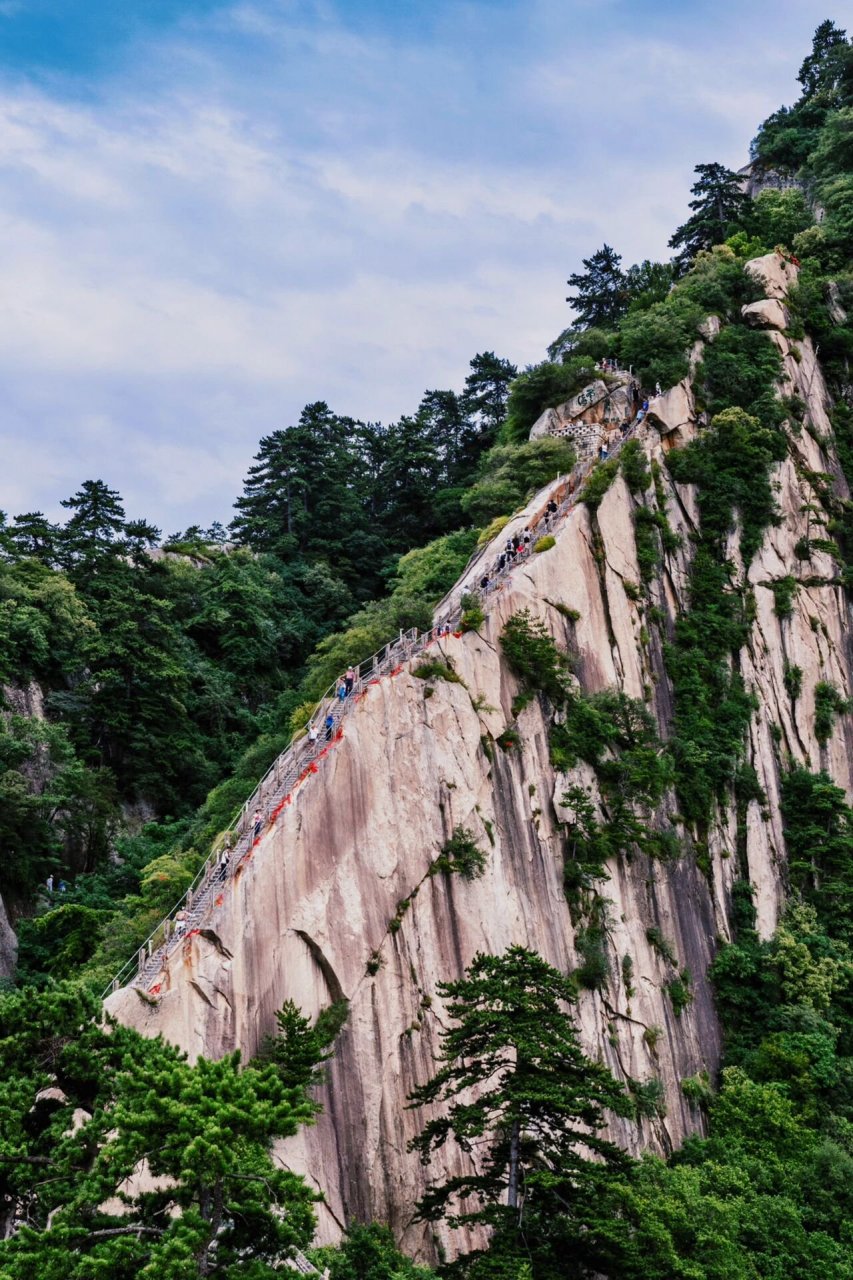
718 211
95 531
487 391
32 534
523 1104
211 1203
823 69
602 294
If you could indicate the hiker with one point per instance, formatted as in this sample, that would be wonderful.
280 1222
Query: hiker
257 823
312 734
484 582
349 679
330 726
645 406
62 886
341 691
181 923
501 561
526 538
658 391
49 883
222 866
640 416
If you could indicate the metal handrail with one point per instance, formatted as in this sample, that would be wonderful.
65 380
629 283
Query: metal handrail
295 764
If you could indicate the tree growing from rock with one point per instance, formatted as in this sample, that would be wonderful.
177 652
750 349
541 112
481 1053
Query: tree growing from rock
522 1103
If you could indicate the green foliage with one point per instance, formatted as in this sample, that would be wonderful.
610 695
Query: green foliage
652 533
602 293
492 530
778 217
435 669
598 482
509 739
649 1097
784 593
679 992
216 1197
533 655
656 341
299 1049
511 473
541 387
719 208
741 367
538 1107
593 973
792 677
634 467
828 703
367 1252
617 735
731 463
661 944
545 543
473 616
460 855
819 836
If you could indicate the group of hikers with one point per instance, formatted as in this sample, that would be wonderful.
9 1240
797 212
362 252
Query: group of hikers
519 545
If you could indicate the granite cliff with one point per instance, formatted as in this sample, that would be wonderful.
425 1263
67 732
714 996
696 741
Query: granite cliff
337 899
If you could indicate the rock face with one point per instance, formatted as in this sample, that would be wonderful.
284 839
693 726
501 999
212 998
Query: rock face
590 416
8 944
675 410
337 899
775 274
769 313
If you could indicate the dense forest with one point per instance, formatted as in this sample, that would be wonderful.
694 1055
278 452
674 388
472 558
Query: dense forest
168 673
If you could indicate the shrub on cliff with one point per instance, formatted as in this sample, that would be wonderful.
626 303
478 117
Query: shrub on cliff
534 657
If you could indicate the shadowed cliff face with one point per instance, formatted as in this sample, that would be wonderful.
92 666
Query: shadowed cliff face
306 913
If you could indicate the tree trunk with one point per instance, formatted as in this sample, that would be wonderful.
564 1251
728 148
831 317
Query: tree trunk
512 1186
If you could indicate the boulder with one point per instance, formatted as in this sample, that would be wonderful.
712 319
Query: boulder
675 408
710 328
775 274
545 425
769 313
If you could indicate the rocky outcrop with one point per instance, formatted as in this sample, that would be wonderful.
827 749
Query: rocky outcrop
768 313
8 944
675 410
590 416
775 274
338 898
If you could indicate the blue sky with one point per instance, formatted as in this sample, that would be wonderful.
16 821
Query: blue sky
215 212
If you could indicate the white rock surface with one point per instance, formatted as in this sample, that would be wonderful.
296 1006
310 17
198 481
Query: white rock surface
775 274
769 313
675 409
